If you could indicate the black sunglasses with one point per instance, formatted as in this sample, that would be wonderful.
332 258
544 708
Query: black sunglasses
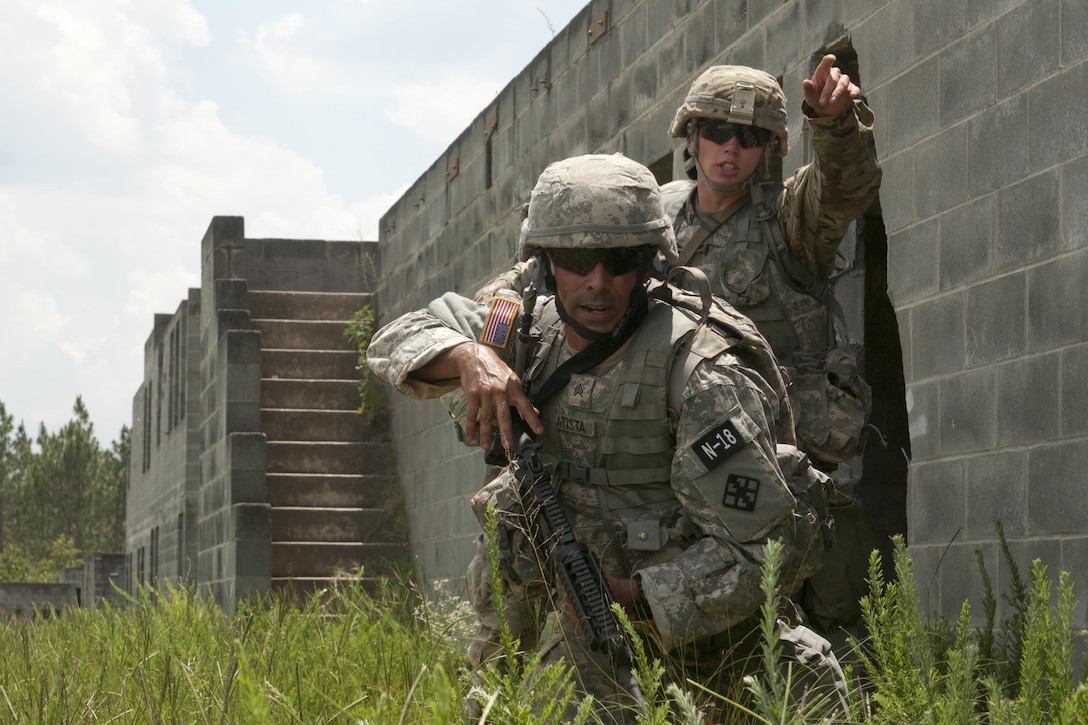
616 260
748 137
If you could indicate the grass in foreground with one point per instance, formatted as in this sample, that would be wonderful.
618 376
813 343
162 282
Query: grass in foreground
349 656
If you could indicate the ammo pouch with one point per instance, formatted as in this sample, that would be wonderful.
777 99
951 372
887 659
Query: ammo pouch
831 403
814 526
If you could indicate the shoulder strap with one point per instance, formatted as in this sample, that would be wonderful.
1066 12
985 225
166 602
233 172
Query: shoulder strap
797 274
739 333
686 360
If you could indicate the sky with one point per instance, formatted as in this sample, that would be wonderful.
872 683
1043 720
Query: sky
126 125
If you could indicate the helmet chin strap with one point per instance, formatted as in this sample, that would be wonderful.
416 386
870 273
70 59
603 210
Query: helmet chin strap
632 317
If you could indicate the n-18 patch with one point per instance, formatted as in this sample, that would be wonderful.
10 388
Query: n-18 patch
740 492
717 444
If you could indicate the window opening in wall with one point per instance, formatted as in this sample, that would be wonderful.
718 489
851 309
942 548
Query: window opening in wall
183 367
862 271
154 564
158 399
491 122
179 555
487 163
170 377
146 428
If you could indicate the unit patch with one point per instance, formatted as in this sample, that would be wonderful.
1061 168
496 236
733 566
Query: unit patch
740 492
719 443
500 322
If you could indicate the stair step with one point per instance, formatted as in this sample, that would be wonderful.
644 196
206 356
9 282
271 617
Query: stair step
283 305
301 588
309 364
302 334
310 394
329 490
312 559
333 524
292 424
324 457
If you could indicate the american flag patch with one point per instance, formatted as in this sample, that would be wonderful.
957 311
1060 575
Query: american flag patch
500 322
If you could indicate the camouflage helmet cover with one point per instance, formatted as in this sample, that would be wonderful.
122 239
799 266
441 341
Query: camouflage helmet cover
596 200
737 94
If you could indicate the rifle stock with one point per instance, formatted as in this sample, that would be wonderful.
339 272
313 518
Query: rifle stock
577 567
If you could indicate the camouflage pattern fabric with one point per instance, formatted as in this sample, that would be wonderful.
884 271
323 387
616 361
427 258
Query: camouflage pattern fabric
726 491
596 200
815 206
837 187
719 94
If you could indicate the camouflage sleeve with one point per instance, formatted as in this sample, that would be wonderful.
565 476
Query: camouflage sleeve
726 475
513 281
411 341
823 197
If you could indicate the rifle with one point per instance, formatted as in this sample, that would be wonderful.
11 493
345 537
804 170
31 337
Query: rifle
577 567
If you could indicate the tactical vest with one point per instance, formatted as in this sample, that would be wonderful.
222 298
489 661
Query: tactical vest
741 262
746 262
611 438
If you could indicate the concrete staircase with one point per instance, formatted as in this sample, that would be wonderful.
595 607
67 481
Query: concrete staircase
334 502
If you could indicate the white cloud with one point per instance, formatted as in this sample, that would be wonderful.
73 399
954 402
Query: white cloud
190 24
439 110
36 320
152 291
370 211
272 49
31 253
94 59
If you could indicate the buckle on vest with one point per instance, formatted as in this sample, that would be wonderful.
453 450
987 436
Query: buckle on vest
581 473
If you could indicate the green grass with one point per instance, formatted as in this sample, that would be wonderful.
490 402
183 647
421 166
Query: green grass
347 655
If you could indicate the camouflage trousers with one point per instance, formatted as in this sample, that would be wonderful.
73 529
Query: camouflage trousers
522 608
718 663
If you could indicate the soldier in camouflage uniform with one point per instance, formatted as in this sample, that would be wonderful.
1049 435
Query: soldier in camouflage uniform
675 497
768 248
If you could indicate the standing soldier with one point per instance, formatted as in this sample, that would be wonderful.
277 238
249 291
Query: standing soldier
769 249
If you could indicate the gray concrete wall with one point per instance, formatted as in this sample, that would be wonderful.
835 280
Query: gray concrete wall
23 599
234 529
982 134
198 507
164 475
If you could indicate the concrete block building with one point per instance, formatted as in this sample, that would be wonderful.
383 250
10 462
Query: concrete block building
965 283
252 469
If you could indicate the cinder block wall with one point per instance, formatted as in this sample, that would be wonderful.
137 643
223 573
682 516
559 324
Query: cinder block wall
234 548
984 149
164 471
982 134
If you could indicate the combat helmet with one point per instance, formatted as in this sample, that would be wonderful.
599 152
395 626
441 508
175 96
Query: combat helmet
732 94
736 94
596 200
